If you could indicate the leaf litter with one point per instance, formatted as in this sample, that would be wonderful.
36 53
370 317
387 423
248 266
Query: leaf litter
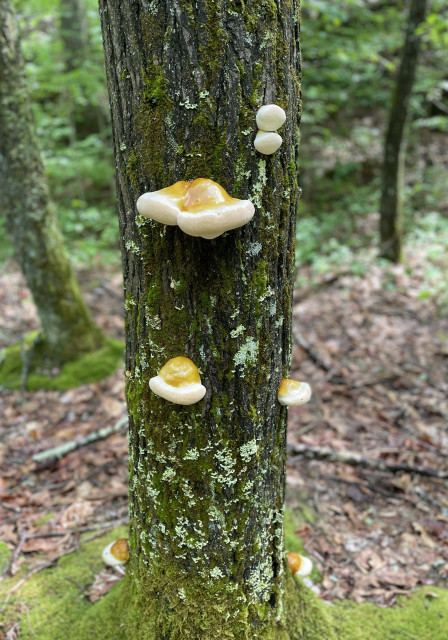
383 392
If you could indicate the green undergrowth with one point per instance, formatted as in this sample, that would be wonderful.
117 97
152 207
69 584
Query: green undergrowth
88 368
51 605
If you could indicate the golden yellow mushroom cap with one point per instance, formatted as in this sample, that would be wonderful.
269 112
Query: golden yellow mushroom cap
116 553
293 393
298 564
178 381
180 372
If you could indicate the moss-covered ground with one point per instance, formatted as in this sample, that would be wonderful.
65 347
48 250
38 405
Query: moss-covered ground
90 367
51 605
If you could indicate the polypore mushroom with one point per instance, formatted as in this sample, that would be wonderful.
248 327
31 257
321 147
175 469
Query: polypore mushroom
178 381
200 208
267 142
293 393
116 553
163 205
270 117
299 565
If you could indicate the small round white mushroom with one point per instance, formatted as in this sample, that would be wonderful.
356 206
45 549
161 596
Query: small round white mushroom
179 382
293 393
116 553
267 142
270 117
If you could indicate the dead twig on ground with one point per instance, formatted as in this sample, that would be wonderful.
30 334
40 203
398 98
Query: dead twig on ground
357 459
66 448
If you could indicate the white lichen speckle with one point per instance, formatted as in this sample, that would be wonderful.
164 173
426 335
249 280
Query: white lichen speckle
191 454
216 573
246 355
238 331
248 450
254 249
168 475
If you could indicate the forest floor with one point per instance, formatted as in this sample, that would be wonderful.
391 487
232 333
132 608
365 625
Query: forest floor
376 355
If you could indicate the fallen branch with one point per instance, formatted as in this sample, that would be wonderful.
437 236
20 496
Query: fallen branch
63 449
357 459
313 355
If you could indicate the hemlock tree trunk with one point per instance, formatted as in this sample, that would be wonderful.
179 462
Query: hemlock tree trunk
207 481
394 149
30 219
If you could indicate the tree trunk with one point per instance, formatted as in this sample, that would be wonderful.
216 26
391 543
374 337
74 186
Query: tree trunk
394 149
207 481
30 219
73 33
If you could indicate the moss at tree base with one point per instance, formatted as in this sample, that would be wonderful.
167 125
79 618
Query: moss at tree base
89 367
51 605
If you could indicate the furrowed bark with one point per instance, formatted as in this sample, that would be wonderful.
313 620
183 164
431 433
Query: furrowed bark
206 481
30 218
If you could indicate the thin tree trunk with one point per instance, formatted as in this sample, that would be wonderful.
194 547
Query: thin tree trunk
394 149
207 481
73 32
30 218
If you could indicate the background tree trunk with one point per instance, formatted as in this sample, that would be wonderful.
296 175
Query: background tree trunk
207 481
31 221
73 32
394 149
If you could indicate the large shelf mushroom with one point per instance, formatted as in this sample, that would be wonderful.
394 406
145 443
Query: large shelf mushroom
200 208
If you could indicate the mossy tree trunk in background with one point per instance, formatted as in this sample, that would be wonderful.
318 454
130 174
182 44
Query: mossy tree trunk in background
66 323
207 481
394 149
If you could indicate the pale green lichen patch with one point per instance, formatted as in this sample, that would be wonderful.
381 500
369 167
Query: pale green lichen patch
246 356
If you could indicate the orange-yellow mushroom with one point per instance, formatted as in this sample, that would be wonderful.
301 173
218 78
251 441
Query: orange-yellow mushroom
178 381
293 393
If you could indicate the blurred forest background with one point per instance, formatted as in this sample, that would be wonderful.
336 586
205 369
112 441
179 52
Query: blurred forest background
371 336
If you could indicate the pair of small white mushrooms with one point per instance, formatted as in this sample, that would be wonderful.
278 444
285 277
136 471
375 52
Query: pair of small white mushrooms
179 382
270 117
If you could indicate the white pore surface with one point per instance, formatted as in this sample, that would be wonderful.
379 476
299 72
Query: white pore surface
179 395
158 207
212 223
270 117
267 142
305 568
108 558
296 397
